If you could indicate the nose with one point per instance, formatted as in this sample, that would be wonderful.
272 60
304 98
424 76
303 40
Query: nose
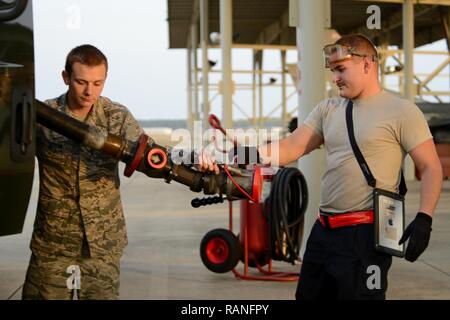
335 77
88 90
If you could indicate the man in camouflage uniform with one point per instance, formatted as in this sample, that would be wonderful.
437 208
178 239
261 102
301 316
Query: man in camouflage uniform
79 219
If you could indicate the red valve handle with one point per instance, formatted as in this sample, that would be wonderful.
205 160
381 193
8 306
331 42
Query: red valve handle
215 123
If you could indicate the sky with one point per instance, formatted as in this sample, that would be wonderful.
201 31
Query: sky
144 74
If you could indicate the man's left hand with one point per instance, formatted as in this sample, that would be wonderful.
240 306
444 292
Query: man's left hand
207 162
418 232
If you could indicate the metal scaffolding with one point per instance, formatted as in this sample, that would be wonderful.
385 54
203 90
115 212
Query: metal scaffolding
203 92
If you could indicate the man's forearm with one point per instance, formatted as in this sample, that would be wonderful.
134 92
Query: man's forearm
430 188
280 153
277 153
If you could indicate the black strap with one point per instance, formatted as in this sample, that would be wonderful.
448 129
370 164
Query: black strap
402 189
371 181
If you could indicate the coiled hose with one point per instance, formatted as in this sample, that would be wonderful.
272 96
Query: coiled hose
285 208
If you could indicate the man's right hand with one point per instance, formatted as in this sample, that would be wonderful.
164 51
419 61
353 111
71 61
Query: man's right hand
244 155
241 155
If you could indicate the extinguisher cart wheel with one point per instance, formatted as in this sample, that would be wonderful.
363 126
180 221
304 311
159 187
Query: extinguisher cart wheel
220 250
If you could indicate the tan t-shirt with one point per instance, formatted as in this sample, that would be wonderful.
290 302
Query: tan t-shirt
386 128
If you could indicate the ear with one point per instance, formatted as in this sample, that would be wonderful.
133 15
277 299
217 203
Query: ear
65 77
367 65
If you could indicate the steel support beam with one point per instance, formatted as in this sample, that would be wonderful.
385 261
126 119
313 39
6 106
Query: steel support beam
194 65
254 114
284 115
431 2
205 64
190 118
310 41
260 56
226 35
408 51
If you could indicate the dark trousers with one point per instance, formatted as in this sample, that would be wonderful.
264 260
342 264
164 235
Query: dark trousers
343 264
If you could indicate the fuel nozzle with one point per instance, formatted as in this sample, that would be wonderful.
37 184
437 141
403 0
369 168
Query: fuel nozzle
152 159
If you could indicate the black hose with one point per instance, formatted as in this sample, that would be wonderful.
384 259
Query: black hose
285 210
13 11
60 122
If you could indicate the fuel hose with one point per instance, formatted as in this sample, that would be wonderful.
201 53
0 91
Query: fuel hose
285 210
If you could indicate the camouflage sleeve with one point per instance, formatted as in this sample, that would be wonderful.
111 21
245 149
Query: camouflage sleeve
131 130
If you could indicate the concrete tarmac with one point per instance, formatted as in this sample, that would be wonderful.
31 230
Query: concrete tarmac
162 260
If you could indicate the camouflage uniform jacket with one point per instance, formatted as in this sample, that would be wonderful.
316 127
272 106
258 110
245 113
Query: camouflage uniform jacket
79 187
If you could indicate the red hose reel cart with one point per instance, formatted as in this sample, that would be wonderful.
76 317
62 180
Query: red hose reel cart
271 225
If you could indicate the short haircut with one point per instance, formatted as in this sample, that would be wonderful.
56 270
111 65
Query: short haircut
360 43
85 54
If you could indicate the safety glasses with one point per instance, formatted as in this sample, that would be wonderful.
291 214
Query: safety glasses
337 52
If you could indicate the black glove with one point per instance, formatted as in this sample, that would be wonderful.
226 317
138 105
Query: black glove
418 232
244 155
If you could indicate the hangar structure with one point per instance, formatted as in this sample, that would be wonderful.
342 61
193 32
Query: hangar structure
272 25
305 26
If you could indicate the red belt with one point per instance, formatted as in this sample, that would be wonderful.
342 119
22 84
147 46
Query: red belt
345 219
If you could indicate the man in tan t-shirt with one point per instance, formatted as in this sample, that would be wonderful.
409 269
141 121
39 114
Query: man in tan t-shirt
337 260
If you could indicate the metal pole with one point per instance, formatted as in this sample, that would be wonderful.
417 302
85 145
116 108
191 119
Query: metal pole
408 48
226 21
254 122
408 51
260 89
194 42
310 41
205 63
283 90
190 119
